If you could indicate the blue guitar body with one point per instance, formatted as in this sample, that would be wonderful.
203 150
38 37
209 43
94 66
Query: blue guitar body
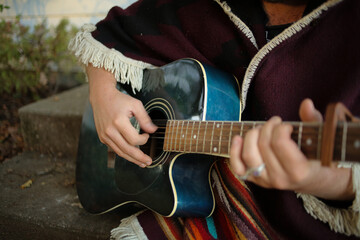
176 184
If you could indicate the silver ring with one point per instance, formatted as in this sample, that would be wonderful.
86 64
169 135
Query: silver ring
256 171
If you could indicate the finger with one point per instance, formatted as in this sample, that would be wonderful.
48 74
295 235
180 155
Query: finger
128 148
131 153
308 112
290 157
236 164
273 167
250 153
125 156
128 131
143 118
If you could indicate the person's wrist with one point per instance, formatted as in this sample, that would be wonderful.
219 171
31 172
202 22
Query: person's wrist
101 83
307 184
101 90
330 183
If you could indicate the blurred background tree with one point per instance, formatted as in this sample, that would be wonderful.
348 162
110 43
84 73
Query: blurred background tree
2 7
35 62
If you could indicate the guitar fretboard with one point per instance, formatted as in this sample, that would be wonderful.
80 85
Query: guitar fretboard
214 137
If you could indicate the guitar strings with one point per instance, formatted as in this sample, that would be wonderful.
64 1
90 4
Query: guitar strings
182 140
310 130
181 145
223 140
161 134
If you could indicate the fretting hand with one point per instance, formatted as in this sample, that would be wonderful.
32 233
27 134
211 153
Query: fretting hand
285 166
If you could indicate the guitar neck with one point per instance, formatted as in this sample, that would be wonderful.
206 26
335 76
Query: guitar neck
214 137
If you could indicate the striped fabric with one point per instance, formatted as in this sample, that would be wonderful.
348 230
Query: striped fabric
235 216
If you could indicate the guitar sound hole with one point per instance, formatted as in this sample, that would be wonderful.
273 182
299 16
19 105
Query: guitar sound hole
154 145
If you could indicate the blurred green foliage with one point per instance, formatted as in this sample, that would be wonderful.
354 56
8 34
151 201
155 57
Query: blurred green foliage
32 60
2 7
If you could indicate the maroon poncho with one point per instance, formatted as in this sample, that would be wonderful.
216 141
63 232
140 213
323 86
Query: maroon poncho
317 57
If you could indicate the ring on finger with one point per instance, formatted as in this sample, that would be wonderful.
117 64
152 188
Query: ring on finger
255 171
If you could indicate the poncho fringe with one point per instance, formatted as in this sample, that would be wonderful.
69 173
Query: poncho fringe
129 229
238 23
88 50
287 33
346 221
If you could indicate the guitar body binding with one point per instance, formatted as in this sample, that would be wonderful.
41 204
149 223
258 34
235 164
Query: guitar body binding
175 184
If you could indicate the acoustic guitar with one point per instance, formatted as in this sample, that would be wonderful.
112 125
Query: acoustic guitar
197 110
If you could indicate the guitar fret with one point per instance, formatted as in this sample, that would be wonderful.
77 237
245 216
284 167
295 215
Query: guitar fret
166 139
300 134
319 142
186 136
343 144
197 138
309 141
203 150
172 135
191 137
221 133
179 138
181 135
176 136
212 138
230 136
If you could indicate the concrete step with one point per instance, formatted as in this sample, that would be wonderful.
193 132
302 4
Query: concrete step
48 208
52 126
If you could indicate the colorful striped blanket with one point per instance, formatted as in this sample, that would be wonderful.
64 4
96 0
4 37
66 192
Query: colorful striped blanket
235 217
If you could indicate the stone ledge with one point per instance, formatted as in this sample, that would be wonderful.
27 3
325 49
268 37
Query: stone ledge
52 126
49 207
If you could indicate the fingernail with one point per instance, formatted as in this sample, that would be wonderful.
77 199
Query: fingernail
142 165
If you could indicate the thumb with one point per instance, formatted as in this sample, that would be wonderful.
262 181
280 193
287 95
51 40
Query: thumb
308 112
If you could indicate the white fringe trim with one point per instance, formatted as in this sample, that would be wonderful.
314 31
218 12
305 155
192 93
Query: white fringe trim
356 187
129 229
287 33
88 50
238 23
345 221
